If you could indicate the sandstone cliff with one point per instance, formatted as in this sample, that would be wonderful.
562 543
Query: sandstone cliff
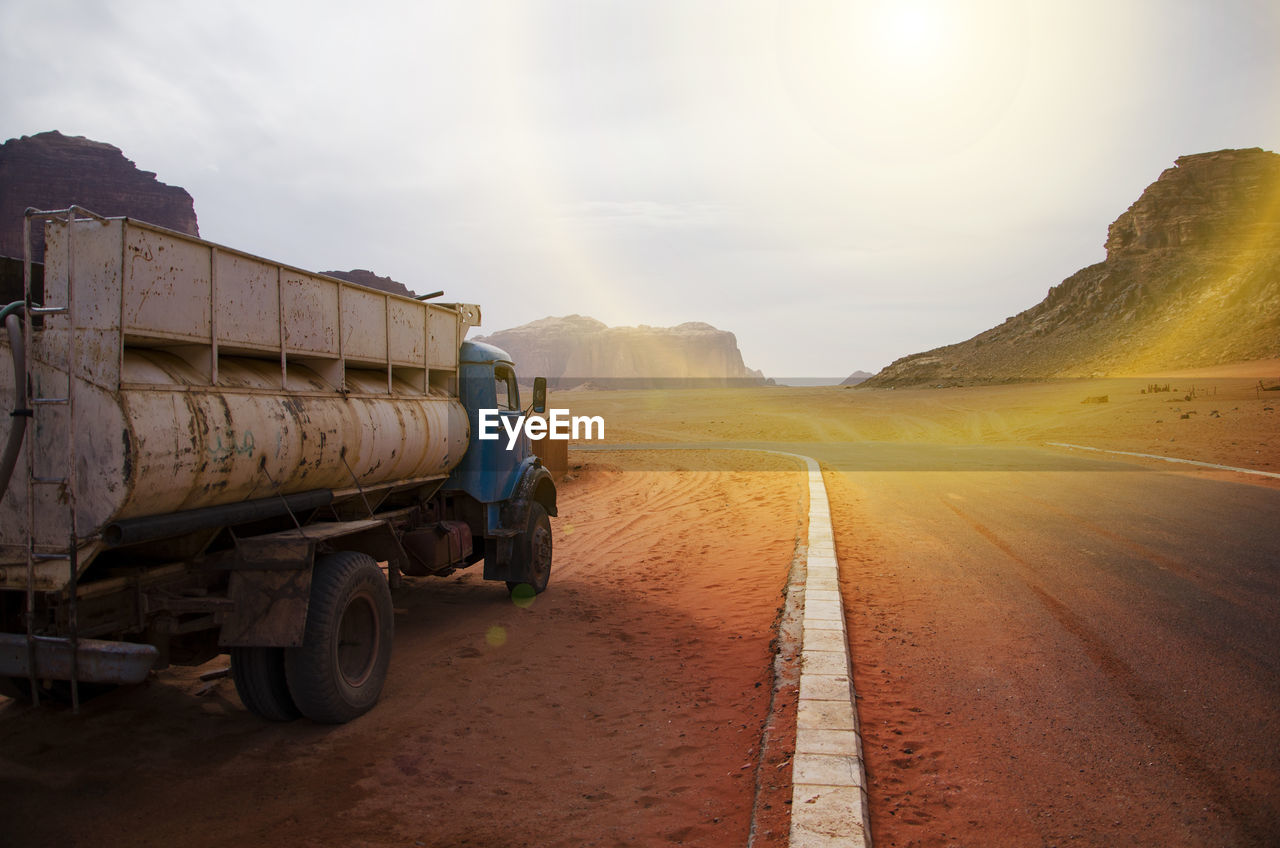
52 171
576 349
1191 278
49 170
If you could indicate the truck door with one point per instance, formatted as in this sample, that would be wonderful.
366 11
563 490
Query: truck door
489 471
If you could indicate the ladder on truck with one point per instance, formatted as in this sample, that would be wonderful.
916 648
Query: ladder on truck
41 400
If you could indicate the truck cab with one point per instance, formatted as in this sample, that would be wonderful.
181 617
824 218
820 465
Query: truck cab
509 482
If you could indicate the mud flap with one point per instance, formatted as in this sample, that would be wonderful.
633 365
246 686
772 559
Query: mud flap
271 578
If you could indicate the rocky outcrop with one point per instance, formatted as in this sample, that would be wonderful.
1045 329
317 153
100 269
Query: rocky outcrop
52 171
576 349
367 278
1202 202
856 378
1191 278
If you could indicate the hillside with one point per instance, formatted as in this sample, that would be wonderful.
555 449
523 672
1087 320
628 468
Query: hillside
1191 279
575 349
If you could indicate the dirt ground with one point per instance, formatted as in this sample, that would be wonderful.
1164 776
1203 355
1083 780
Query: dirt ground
627 705
1218 415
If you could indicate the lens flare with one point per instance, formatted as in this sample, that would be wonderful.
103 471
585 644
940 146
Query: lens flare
496 636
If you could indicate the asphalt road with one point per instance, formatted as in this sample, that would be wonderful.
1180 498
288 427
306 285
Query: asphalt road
1052 649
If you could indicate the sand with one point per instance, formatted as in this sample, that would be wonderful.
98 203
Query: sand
626 706
1214 418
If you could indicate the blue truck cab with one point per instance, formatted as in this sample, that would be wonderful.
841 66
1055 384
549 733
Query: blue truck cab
506 480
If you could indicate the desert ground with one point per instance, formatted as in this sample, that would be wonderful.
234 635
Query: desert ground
1050 646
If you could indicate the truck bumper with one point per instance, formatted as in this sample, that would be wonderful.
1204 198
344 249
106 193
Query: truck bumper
97 661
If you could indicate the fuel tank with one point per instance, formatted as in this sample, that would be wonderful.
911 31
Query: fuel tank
204 376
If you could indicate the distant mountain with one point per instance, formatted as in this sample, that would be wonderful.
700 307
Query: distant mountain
52 171
576 349
857 377
1191 278
362 277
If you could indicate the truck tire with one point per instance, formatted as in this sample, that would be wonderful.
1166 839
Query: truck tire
338 672
532 556
261 684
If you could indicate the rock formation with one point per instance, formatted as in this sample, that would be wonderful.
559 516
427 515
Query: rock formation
52 171
1191 278
367 278
857 377
576 349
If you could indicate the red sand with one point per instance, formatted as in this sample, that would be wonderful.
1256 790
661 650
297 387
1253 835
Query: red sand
625 707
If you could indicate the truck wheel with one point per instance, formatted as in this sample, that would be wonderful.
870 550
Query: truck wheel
261 683
532 556
338 672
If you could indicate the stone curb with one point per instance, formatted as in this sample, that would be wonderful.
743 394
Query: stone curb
828 781
829 795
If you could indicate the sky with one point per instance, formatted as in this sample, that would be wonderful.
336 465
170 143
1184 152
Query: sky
840 184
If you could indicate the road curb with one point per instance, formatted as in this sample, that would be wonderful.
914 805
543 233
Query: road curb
829 795
828 780
1196 462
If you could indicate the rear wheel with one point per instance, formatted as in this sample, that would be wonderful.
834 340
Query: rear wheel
532 559
261 684
338 672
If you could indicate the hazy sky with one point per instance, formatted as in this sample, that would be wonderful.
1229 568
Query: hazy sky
839 184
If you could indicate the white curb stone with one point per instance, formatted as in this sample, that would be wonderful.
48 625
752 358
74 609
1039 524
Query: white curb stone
829 797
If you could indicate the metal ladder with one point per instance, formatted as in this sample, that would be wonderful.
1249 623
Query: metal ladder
66 483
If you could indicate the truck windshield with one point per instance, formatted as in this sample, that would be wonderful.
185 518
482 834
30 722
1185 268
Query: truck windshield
504 384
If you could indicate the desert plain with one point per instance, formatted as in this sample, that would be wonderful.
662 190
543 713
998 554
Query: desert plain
1050 645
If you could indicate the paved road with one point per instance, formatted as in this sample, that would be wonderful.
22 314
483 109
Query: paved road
1052 649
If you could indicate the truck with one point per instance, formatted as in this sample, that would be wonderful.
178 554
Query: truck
210 452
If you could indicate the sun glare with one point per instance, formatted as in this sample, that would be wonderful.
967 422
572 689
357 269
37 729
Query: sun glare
902 80
911 32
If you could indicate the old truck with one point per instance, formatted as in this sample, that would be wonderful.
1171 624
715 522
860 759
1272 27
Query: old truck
211 452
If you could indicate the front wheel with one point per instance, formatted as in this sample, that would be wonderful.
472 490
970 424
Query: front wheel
532 556
338 672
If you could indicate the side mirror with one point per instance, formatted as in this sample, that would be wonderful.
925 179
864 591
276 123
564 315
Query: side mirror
540 395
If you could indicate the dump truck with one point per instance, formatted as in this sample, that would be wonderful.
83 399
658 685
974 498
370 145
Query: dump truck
210 452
